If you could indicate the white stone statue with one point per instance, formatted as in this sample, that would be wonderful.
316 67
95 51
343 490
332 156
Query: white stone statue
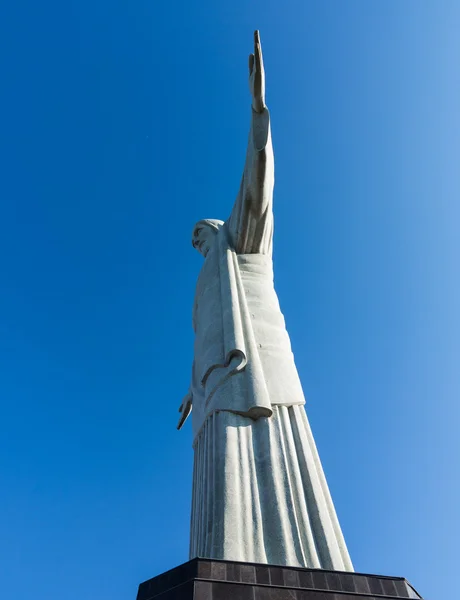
259 491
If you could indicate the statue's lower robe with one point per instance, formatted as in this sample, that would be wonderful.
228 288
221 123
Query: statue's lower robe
260 495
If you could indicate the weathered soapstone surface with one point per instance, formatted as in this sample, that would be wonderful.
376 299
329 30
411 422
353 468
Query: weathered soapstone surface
203 579
259 490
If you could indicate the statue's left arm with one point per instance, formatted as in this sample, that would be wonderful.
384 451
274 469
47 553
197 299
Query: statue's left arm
251 222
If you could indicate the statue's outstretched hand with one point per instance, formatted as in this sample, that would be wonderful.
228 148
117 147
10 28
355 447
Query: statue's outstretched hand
185 409
257 76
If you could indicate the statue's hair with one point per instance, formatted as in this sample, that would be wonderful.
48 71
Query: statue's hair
213 223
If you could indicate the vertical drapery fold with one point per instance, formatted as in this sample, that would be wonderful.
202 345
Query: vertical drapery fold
260 495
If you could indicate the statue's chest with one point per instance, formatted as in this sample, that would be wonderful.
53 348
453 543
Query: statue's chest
208 302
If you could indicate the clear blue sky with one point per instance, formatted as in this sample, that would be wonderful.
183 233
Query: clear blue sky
125 122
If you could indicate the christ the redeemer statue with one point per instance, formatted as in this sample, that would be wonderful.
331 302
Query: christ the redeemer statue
259 491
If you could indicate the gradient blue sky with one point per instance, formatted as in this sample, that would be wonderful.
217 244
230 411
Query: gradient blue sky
125 122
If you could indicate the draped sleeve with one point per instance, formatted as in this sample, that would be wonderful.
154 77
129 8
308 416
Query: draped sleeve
250 225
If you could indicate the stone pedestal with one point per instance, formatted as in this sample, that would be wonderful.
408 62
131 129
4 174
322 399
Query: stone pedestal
206 579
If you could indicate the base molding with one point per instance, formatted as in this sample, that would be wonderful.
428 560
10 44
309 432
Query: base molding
210 579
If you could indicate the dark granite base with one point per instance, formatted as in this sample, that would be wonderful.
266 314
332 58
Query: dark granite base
206 579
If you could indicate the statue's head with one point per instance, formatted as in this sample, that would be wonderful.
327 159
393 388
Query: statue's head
204 234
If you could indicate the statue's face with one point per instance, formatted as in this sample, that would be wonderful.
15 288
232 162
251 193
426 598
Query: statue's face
203 238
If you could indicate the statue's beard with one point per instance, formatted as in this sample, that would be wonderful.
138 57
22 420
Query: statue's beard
205 247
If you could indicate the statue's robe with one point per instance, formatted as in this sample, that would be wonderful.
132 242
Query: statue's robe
259 492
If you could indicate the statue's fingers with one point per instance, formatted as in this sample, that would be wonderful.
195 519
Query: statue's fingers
251 63
258 52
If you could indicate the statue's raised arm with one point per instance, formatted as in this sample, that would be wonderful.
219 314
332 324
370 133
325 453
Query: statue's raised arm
251 222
